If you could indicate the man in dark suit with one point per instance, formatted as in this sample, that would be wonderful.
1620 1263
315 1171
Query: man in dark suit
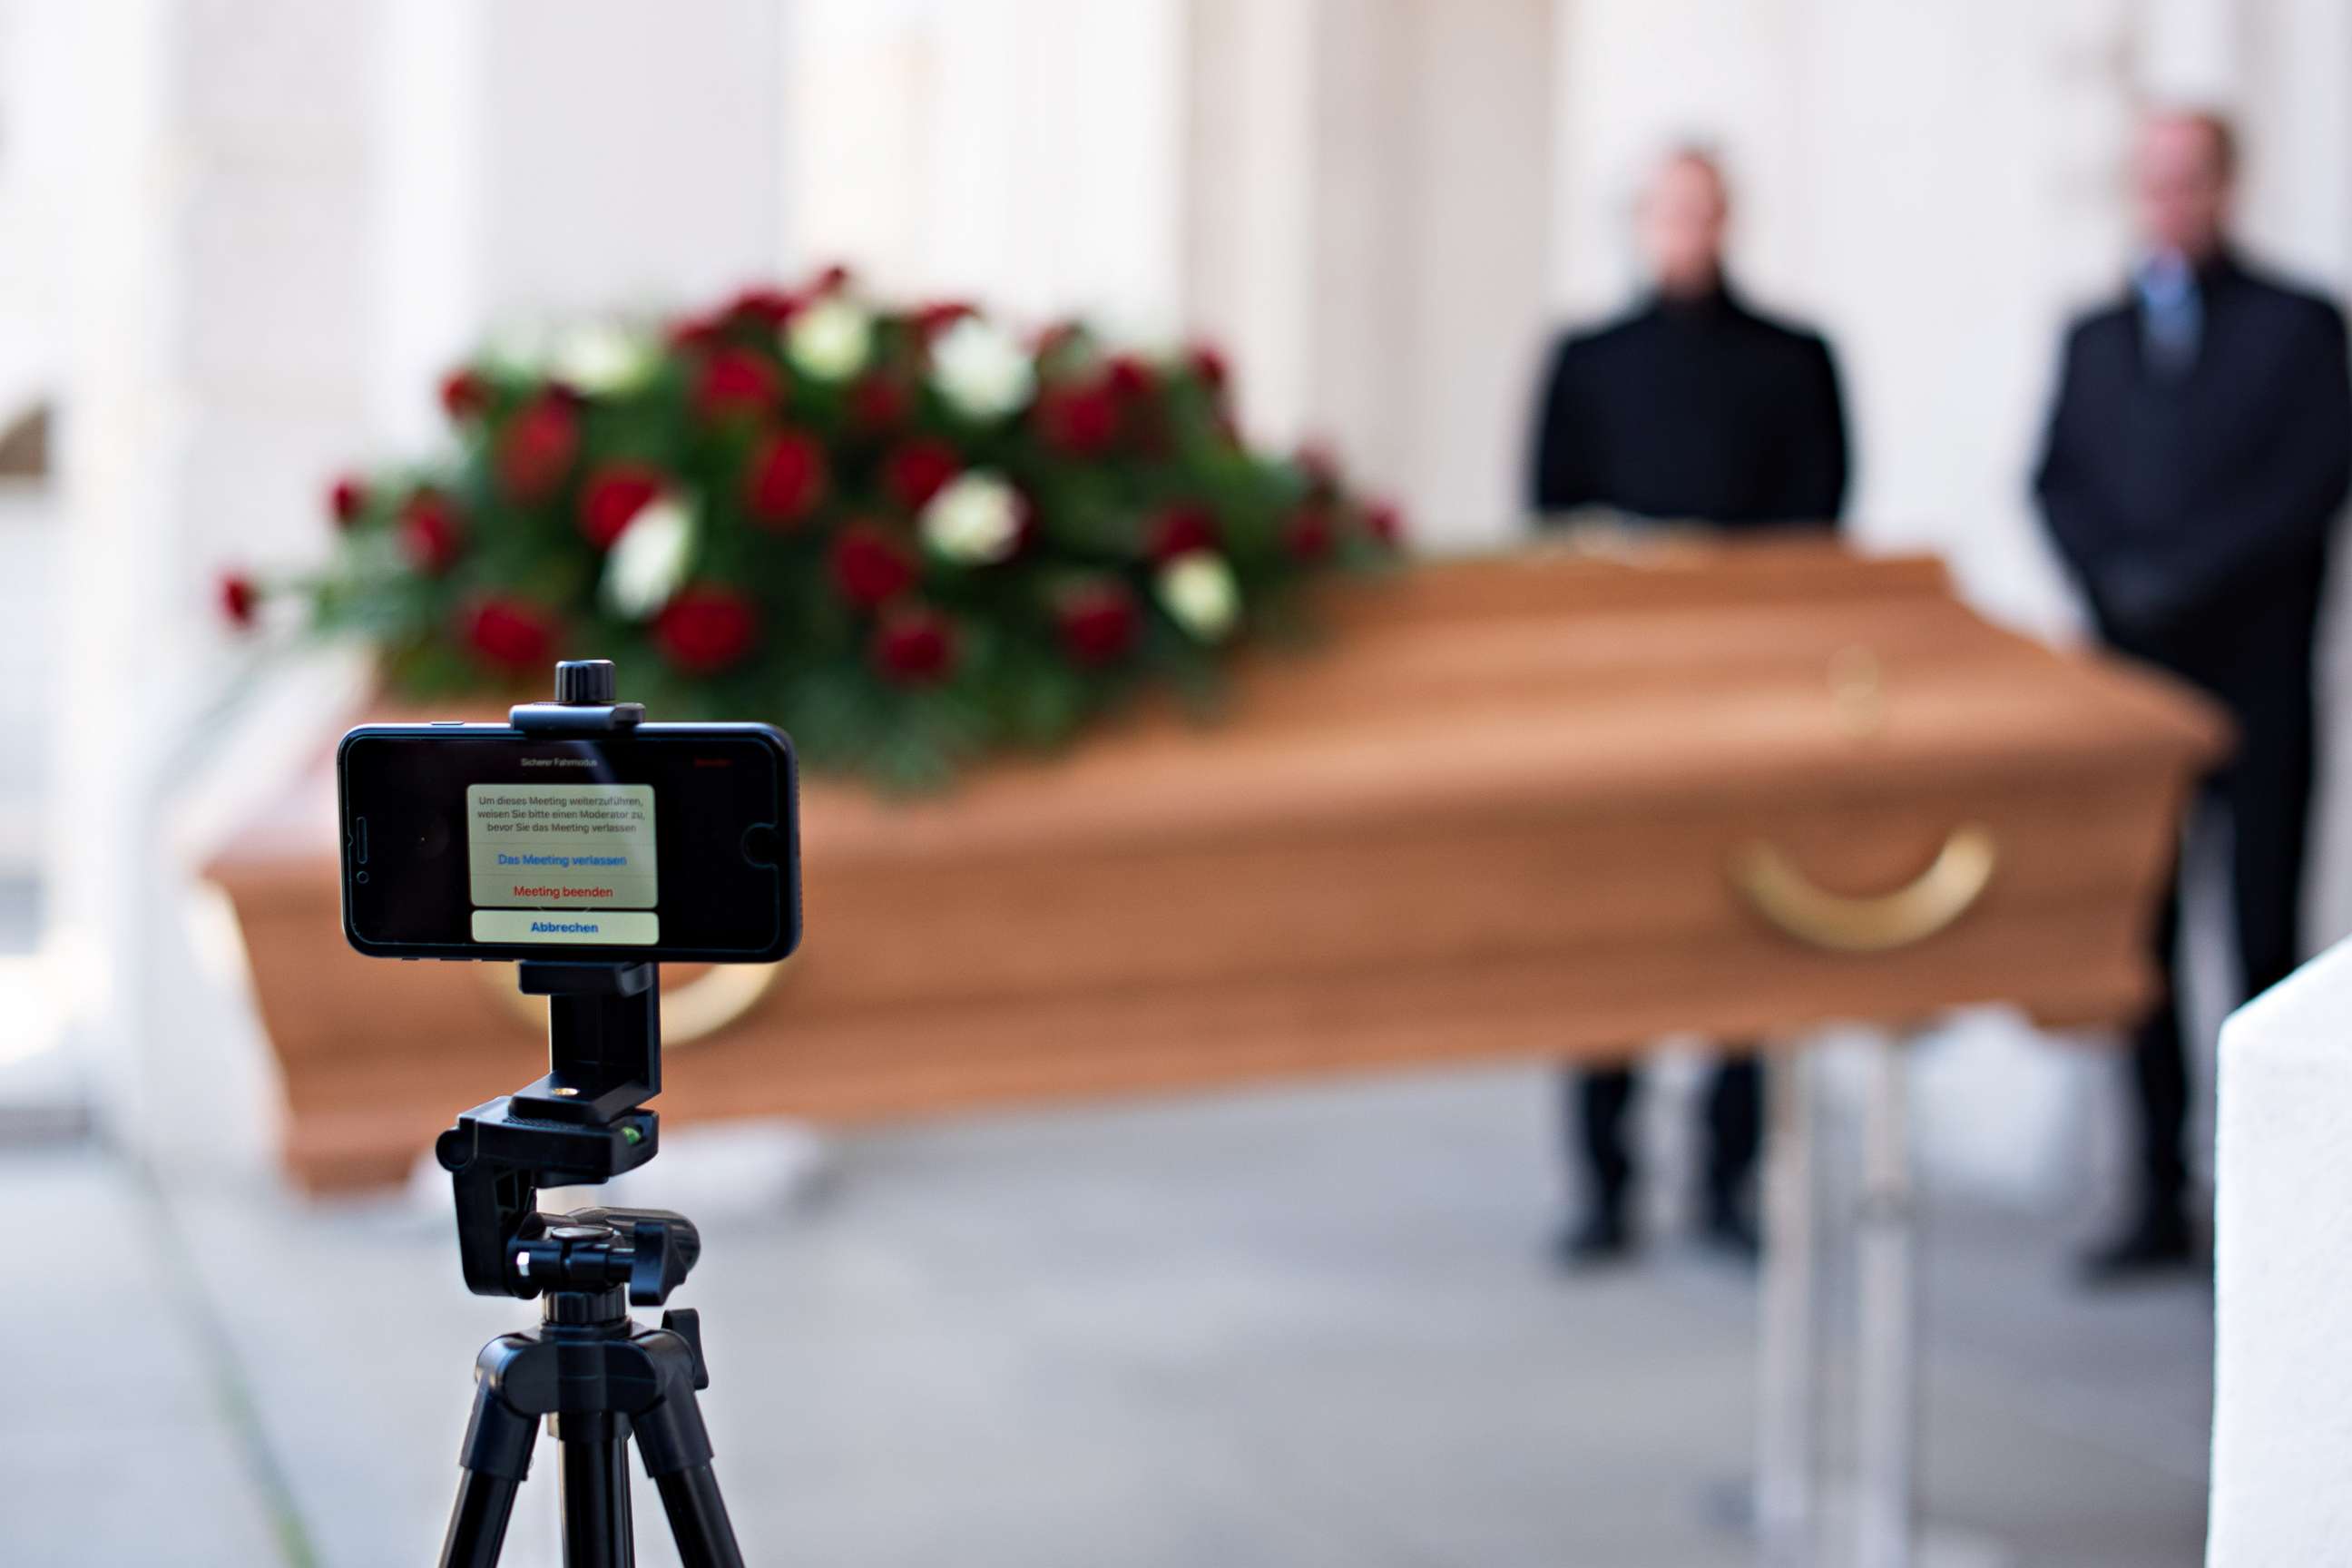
2199 450
1692 407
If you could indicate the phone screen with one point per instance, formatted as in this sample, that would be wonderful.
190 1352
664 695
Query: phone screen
477 841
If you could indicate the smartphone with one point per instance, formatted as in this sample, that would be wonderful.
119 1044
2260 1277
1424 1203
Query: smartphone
664 841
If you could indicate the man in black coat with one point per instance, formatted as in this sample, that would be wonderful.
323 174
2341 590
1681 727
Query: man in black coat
2201 448
1693 408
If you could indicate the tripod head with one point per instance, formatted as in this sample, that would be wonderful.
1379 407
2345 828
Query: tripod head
583 1123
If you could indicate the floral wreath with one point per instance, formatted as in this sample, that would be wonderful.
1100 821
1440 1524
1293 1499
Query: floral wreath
904 533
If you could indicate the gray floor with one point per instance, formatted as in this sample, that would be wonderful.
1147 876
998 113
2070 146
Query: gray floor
1305 1328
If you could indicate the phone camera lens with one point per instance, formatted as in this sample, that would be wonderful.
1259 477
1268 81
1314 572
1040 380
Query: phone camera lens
359 876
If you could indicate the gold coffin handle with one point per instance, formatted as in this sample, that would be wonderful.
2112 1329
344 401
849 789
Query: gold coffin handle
695 1011
1798 907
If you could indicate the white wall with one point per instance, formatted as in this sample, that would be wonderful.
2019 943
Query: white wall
538 162
1022 153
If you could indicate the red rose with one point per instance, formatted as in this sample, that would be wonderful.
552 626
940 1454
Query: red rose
937 317
1384 522
1098 622
1207 362
1310 533
612 499
1130 379
736 383
1320 468
870 567
537 448
463 395
347 501
786 479
918 470
769 307
432 533
512 634
696 332
1081 420
1180 531
914 646
239 598
705 628
878 401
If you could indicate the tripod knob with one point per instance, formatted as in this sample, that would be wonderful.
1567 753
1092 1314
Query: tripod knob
662 1248
585 682
686 1324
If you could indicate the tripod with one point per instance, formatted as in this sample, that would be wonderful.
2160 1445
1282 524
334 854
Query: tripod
597 1376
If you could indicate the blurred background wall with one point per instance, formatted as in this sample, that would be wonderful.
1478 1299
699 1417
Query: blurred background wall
239 239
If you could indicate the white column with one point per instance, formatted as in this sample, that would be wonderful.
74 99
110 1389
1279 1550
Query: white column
1370 187
214 376
1475 228
120 439
430 111
630 154
1023 154
1249 187
2297 119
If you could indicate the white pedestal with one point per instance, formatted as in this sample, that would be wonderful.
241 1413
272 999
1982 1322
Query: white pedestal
2283 1408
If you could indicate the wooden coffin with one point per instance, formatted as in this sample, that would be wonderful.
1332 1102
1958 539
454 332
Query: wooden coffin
1550 805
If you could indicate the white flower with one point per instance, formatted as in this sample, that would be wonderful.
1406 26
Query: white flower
1199 591
975 519
981 370
650 559
601 358
519 347
831 339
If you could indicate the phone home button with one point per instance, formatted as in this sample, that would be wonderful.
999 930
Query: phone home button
760 844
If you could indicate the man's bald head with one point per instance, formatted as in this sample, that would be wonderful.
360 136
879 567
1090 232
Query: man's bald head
1685 207
2184 173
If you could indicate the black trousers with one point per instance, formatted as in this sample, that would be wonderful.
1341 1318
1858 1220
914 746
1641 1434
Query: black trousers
2267 791
1596 1106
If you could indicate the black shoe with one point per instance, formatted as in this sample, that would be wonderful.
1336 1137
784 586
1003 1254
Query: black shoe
1727 1228
1599 1239
2158 1243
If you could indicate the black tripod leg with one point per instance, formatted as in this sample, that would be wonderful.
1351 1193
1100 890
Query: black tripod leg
675 1448
698 1518
595 1485
492 1464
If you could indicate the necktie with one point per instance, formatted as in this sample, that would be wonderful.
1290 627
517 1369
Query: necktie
2172 316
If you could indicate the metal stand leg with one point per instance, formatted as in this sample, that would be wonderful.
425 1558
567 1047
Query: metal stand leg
1885 1374
698 1520
1788 1396
493 1462
595 1481
675 1448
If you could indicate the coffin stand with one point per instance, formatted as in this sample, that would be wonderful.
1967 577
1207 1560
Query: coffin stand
1557 804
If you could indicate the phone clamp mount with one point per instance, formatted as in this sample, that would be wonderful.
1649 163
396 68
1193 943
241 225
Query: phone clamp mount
595 1374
